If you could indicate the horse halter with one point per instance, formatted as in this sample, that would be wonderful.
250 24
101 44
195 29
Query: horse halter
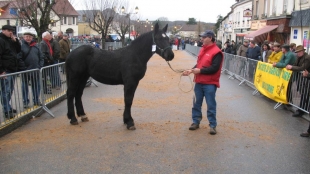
161 50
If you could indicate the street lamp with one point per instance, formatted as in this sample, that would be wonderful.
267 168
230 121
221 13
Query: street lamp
123 11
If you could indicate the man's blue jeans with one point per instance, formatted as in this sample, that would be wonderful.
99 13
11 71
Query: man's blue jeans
207 92
35 86
7 87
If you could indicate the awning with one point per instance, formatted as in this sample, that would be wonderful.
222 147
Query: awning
243 34
262 33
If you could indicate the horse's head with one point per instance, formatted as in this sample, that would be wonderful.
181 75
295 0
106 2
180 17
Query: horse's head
161 40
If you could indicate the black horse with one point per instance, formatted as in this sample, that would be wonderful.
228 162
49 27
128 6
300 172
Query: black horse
123 66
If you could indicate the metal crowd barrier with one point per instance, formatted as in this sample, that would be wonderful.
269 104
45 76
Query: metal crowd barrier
192 49
108 45
28 92
243 69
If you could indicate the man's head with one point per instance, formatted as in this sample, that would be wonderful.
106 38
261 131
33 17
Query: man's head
252 43
292 46
208 37
46 35
28 37
60 33
285 48
246 43
7 30
65 36
300 50
276 46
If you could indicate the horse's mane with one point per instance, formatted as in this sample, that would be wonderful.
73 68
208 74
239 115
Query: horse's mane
141 39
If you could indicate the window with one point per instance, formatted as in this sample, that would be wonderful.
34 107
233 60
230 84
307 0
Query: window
284 6
73 20
303 1
256 8
8 22
266 7
65 20
274 8
69 20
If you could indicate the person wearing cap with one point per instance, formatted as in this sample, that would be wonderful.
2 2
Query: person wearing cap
207 73
65 46
288 58
276 54
33 59
9 48
59 36
302 63
243 49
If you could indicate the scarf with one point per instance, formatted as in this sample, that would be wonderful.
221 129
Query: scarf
49 46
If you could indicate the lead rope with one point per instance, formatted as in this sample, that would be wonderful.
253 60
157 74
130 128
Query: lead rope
181 71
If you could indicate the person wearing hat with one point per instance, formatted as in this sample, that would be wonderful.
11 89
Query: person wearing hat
243 49
288 58
207 73
276 54
65 46
302 63
33 58
305 74
10 46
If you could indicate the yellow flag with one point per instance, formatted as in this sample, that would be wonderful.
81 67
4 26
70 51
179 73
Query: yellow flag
272 82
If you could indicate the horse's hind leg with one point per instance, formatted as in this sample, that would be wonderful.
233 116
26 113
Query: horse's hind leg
78 99
71 92
129 92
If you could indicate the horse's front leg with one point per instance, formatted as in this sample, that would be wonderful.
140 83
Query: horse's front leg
129 92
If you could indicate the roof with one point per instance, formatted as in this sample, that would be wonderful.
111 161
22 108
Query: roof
298 16
5 10
64 7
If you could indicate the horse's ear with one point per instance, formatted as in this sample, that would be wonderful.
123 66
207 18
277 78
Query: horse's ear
165 28
156 28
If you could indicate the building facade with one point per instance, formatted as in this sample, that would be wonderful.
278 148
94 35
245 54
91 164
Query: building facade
300 23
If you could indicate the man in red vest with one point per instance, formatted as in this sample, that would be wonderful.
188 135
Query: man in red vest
207 75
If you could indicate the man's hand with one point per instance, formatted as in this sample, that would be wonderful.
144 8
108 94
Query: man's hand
187 72
288 67
305 73
3 74
13 38
274 64
196 71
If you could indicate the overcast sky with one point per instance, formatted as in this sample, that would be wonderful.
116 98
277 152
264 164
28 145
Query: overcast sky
203 10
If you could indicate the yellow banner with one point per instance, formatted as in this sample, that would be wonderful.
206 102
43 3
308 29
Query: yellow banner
272 82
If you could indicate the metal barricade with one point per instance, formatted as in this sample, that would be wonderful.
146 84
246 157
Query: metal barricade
298 92
113 45
192 49
19 95
53 82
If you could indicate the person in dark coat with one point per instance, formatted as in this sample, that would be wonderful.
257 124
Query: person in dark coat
33 58
253 52
55 77
47 51
9 48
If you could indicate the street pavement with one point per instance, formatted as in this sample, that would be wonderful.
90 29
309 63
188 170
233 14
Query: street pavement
252 137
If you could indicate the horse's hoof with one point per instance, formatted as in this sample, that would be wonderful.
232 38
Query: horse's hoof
131 128
85 119
74 123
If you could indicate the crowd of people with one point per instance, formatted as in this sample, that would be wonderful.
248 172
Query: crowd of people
26 54
290 56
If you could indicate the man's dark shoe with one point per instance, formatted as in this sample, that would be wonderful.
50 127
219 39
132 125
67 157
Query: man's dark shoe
305 134
194 126
298 113
212 130
38 104
8 115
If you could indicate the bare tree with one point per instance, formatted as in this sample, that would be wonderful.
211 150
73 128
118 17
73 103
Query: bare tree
35 14
121 26
100 15
38 14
